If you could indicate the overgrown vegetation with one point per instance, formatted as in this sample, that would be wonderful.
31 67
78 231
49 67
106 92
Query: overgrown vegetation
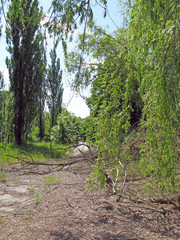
134 79
135 93
37 151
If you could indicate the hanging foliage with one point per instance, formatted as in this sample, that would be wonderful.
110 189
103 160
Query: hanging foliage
134 76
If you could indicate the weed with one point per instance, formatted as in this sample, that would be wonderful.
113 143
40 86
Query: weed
48 181
2 176
37 198
28 214
109 207
30 185
1 218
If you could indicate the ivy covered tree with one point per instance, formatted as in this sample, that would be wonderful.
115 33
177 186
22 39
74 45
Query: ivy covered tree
55 87
25 45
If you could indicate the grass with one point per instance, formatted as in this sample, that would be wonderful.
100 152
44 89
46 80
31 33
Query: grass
37 198
28 214
38 151
2 176
48 181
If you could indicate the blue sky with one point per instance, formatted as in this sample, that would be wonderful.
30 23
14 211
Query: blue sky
73 101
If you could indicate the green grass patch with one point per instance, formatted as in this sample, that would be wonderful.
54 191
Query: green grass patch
37 151
48 181
2 176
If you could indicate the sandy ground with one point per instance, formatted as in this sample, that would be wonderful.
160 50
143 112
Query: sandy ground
32 208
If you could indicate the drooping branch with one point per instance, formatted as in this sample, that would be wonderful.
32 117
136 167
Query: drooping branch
124 181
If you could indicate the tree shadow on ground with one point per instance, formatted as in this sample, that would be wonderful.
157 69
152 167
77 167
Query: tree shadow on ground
40 149
119 236
63 235
67 235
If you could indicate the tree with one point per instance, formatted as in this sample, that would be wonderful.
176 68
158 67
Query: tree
135 78
42 98
25 45
1 81
1 75
0 20
6 116
66 14
154 38
55 87
67 129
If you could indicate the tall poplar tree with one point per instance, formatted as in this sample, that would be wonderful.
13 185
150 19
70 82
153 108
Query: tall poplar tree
55 87
25 45
42 97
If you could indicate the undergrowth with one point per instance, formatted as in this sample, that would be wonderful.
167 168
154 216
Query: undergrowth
37 151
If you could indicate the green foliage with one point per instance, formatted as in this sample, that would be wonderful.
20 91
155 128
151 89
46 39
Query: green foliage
34 133
38 151
28 214
1 81
109 207
67 130
47 126
55 87
42 97
31 188
2 176
37 198
69 12
26 62
97 176
6 116
134 77
48 181
154 36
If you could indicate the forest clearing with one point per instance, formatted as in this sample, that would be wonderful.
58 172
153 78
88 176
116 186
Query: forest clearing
56 205
113 174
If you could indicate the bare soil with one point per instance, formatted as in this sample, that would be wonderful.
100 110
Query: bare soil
32 210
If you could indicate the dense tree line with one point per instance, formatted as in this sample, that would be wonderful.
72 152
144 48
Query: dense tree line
30 81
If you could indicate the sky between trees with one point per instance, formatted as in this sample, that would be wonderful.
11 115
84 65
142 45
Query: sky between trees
73 101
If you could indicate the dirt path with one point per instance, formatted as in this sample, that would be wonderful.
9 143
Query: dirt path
31 210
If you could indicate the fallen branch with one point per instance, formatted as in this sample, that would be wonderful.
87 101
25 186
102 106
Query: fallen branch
27 161
168 201
54 166
69 203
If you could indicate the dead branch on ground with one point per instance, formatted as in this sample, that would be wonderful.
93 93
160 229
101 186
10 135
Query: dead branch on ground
29 161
